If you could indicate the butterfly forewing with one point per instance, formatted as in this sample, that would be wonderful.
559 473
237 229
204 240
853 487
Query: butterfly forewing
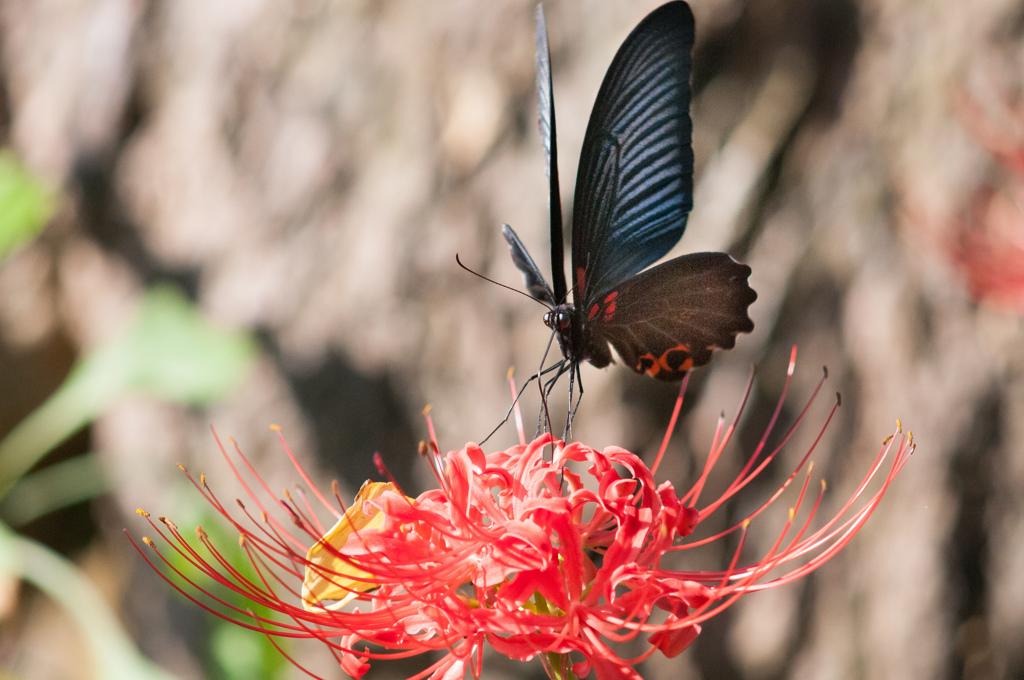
548 134
634 188
667 319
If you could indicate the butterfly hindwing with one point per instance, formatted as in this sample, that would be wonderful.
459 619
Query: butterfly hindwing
667 319
634 188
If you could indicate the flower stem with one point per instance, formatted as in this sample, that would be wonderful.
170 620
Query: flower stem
115 656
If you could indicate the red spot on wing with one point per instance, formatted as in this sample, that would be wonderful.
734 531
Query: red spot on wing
580 280
609 303
652 365
593 312
648 364
685 366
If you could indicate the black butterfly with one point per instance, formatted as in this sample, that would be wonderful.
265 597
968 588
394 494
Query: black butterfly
634 190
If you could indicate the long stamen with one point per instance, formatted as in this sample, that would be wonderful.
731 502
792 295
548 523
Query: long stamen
536 557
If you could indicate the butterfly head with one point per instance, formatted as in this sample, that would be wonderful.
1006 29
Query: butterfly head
559 318
570 330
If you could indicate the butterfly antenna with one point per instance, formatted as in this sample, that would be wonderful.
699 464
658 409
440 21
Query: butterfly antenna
496 283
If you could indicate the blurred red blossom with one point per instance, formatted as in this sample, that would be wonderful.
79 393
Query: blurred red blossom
988 246
561 556
986 242
989 243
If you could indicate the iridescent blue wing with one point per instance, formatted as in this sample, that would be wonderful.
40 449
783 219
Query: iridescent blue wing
634 188
548 134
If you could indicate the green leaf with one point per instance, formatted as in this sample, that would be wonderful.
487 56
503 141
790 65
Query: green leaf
232 652
26 204
56 486
171 352
114 655
242 654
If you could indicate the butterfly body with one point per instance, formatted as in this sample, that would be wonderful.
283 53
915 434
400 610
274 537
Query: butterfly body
634 192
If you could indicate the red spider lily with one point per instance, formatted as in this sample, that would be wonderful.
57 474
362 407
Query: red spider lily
560 558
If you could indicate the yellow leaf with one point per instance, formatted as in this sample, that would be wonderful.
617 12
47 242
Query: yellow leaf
332 580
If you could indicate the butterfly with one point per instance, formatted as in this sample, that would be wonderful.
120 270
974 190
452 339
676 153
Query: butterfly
634 191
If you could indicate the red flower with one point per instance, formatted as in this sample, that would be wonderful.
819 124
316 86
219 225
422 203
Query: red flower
986 241
563 559
988 246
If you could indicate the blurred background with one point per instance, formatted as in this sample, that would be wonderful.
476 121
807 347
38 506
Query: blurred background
245 212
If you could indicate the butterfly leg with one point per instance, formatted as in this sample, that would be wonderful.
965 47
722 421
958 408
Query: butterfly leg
545 388
508 414
563 367
545 394
573 372
572 413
